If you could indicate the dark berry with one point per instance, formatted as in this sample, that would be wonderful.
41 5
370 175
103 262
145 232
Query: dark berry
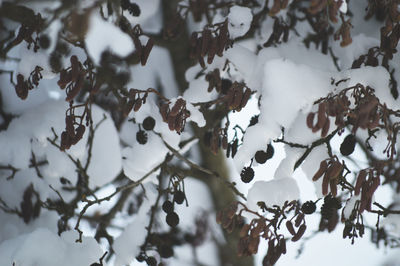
261 157
168 206
151 261
308 207
44 41
141 137
95 264
166 251
125 4
247 174
149 123
253 120
226 84
55 62
270 151
134 10
179 197
141 257
348 145
172 219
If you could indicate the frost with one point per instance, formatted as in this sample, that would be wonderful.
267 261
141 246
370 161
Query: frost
103 35
239 19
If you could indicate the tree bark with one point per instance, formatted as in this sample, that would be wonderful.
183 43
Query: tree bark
222 195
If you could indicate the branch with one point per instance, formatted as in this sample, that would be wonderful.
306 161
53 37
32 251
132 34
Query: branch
204 170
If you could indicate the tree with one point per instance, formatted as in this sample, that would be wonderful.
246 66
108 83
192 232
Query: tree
117 120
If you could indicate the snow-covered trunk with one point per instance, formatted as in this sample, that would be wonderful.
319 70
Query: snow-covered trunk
221 195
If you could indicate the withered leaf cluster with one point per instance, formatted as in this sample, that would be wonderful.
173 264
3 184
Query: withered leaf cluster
213 41
365 115
134 100
143 51
218 138
221 85
300 224
368 181
332 170
332 8
237 97
71 135
72 78
23 86
175 116
329 213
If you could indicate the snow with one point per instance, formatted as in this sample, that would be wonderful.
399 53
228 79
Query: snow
239 20
103 36
271 192
127 244
52 250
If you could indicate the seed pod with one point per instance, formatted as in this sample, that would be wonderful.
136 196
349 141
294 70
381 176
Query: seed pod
76 88
247 174
333 186
179 197
171 122
137 105
75 68
206 41
308 207
178 106
334 170
299 219
253 245
141 137
348 145
21 88
290 228
234 147
69 126
325 184
246 97
322 169
325 128
172 219
310 120
212 50
138 46
128 107
282 245
65 141
261 157
65 78
321 117
193 45
373 186
237 99
149 123
80 130
146 51
245 230
224 142
222 38
164 108
299 233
